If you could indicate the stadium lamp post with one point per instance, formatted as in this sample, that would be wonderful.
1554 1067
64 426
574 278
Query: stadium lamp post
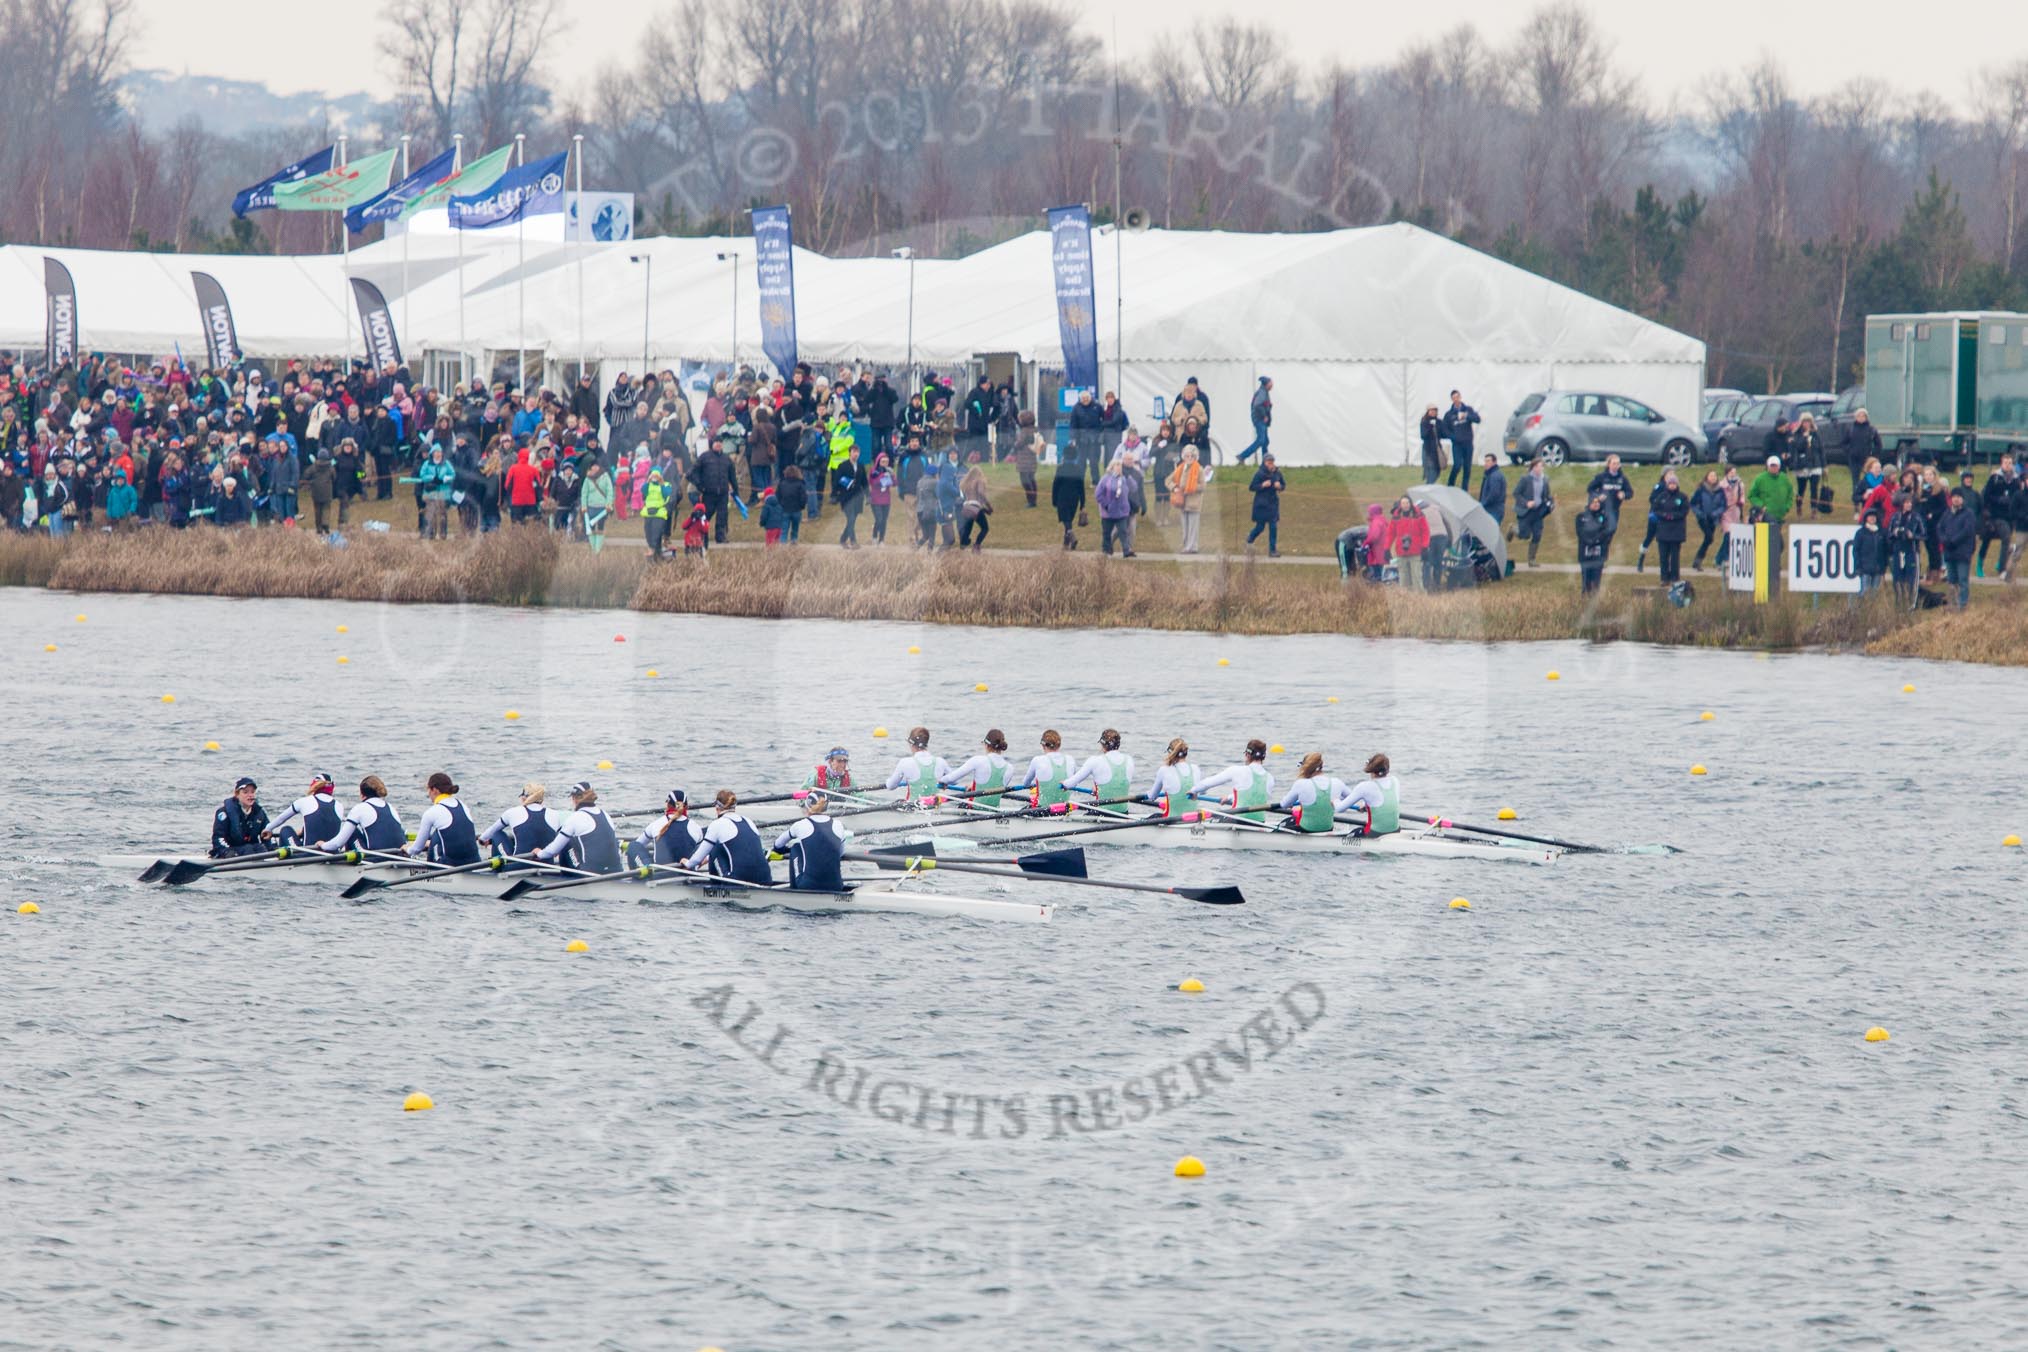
908 253
733 259
647 300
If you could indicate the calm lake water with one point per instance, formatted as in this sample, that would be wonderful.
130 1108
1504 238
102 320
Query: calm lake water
1623 1101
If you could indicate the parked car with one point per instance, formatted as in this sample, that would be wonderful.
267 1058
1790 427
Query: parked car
1721 413
1567 425
1741 443
1835 423
1712 397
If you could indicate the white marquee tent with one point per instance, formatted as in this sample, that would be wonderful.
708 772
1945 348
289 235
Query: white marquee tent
1360 329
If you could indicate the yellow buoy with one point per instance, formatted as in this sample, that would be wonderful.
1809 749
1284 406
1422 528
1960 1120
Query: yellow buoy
1276 749
980 687
605 765
1190 1167
211 746
913 650
343 661
49 647
1706 716
344 628
168 699
1908 690
1697 770
653 672
577 946
418 1102
1554 676
2012 842
1877 1034
1460 904
1190 986
1330 699
1506 814
1225 661
880 732
513 714
28 908
80 619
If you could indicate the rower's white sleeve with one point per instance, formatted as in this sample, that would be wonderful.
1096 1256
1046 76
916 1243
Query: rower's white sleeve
1343 795
1228 778
1089 772
577 824
902 773
298 813
1294 797
1365 794
499 830
355 824
788 837
720 829
1034 775
970 773
434 819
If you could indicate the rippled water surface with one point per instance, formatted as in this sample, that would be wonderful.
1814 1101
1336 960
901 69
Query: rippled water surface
1623 1101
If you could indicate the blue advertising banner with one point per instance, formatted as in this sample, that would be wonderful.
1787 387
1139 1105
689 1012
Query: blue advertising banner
1076 306
390 203
261 196
774 256
532 190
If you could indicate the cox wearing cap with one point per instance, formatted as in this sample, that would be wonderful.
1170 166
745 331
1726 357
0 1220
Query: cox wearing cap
833 772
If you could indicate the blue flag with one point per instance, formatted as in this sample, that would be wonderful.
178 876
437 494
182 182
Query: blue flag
261 196
774 259
1076 307
389 204
535 189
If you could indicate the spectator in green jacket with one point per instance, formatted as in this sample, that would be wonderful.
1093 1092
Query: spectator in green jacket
1772 492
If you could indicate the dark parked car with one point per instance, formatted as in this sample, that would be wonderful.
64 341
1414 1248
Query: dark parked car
1835 423
1741 443
1721 411
1569 425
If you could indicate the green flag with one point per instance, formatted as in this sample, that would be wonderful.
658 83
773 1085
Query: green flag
340 187
474 177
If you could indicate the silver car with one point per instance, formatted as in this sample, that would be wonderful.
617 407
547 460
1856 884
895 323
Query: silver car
1567 425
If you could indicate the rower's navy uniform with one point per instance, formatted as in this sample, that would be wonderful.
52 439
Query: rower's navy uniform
678 841
235 831
385 831
816 856
596 850
456 842
319 823
742 856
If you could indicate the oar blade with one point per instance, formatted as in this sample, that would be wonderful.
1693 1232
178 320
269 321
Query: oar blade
155 871
360 887
1065 863
922 850
184 871
1212 896
520 888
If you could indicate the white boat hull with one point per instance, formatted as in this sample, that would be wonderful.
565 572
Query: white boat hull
882 896
1011 824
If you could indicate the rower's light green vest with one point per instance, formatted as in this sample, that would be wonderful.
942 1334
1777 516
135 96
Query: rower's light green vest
995 778
1057 766
1387 817
1318 815
923 783
1116 785
1181 800
1249 800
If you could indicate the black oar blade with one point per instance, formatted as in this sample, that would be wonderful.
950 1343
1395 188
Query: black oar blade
185 871
925 850
1214 896
1067 863
360 887
521 888
155 871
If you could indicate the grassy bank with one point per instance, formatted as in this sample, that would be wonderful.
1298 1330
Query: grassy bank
531 567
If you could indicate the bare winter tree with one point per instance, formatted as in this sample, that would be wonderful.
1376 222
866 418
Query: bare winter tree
468 65
1584 119
2000 94
1758 126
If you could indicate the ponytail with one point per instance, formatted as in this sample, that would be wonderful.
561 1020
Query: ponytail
1178 750
1256 750
1311 766
1378 766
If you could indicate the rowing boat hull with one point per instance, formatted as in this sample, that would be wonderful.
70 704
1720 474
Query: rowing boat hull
880 897
1007 827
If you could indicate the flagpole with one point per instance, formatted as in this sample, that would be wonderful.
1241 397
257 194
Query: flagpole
521 283
344 266
577 144
457 165
404 246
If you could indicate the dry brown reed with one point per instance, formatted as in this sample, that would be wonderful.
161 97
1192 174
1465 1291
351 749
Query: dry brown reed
529 566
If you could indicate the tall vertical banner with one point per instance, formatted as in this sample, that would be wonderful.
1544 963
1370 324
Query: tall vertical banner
1076 305
774 260
214 312
376 324
62 344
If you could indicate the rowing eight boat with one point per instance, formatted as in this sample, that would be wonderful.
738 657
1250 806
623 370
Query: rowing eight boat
888 897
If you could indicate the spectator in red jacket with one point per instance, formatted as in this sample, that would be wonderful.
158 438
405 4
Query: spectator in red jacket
1409 536
1378 538
524 488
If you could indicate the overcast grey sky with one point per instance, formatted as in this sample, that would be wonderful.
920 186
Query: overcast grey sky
1675 47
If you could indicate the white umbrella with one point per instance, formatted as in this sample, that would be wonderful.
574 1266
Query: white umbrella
1455 513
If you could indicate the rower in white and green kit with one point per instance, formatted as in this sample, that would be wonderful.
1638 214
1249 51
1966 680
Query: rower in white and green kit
1175 784
1248 785
983 776
919 773
1379 794
1046 772
1110 775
